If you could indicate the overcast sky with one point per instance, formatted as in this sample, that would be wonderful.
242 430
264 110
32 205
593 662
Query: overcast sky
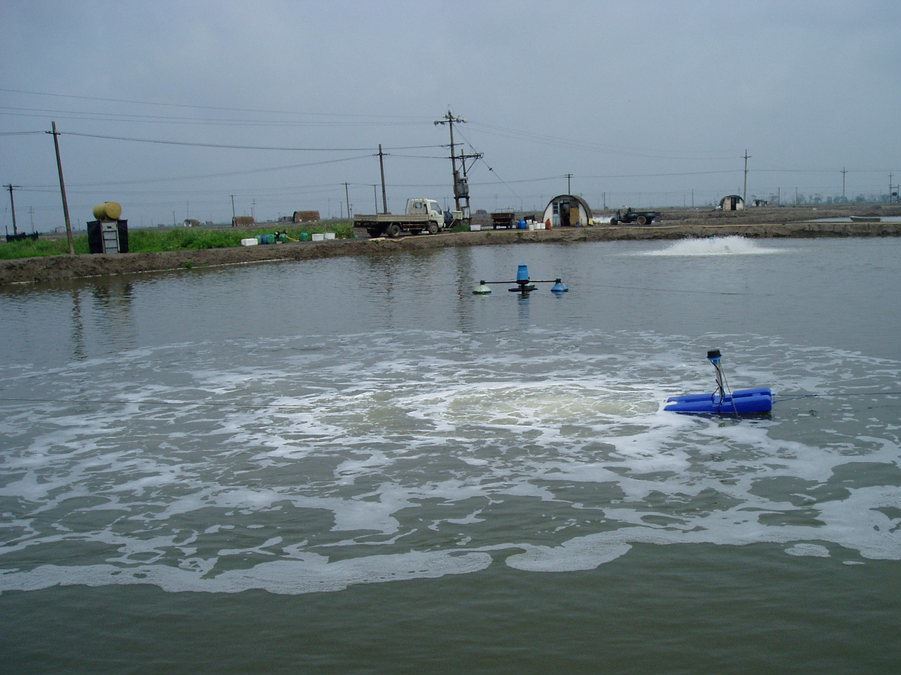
645 103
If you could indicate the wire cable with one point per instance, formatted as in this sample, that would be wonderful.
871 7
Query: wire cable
234 147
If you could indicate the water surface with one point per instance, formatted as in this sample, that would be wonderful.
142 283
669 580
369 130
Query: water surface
357 464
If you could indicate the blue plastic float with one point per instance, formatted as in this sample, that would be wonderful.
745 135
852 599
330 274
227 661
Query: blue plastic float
755 401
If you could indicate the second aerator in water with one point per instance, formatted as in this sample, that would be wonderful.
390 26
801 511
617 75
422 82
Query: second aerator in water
524 285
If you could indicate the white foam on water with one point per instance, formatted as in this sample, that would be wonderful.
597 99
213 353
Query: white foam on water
808 550
714 246
411 463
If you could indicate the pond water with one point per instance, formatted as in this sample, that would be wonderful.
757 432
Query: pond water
357 464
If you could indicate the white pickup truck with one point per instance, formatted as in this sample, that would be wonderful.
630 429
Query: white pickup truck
421 215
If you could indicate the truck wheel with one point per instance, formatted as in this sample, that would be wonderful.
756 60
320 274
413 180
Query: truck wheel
433 228
641 220
393 230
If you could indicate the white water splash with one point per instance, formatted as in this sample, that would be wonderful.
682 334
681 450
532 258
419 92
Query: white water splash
380 459
714 246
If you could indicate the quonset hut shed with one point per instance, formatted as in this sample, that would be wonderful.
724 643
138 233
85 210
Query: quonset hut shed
732 203
567 210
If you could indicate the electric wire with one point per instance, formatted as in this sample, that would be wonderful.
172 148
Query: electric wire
198 144
210 107
481 158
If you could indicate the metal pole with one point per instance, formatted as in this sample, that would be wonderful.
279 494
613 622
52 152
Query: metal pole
347 200
12 205
744 195
62 189
233 209
568 183
382 171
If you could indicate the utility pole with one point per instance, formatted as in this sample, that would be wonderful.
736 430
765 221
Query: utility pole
844 171
62 189
461 182
889 197
347 199
375 199
12 204
744 194
382 171
569 177
253 206
233 209
449 120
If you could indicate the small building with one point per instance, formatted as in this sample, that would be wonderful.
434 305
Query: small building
191 222
242 221
732 203
567 211
306 216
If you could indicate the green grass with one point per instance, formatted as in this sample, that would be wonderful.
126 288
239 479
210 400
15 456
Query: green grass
30 248
176 239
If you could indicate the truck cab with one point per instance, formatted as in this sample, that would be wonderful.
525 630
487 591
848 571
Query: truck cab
423 206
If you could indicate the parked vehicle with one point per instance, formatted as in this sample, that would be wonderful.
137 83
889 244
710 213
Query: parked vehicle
506 219
421 215
637 217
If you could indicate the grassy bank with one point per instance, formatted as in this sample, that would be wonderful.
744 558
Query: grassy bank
159 241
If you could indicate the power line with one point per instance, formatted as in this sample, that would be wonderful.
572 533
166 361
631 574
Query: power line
547 139
198 144
208 107
107 116
19 133
220 174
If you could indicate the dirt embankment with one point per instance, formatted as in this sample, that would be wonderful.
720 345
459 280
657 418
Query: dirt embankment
61 268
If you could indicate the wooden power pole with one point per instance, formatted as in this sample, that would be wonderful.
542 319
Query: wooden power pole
62 189
12 205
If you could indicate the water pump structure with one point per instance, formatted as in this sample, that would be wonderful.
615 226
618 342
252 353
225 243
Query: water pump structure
524 285
756 401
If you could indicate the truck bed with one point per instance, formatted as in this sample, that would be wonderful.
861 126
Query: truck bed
385 218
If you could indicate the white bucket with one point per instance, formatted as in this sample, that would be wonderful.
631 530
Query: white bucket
329 235
318 236
475 228
249 242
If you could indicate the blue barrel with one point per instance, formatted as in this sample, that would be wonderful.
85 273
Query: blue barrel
522 273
